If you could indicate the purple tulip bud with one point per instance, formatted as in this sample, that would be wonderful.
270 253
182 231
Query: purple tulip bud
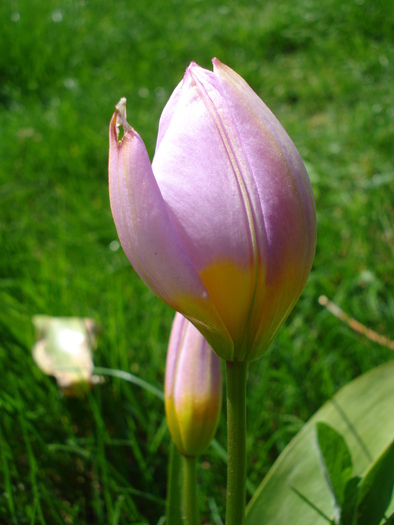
193 388
222 225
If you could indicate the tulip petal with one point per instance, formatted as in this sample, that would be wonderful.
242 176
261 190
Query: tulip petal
286 198
168 113
175 342
200 166
196 167
149 240
279 174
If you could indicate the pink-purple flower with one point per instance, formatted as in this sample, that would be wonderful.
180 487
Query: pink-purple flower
222 225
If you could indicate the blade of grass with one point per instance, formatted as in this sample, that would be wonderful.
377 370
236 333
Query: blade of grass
126 376
6 471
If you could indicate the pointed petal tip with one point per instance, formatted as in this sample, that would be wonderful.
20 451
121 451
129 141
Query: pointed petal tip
217 64
190 67
215 61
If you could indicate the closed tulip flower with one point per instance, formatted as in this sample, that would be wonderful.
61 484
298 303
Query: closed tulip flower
222 225
193 388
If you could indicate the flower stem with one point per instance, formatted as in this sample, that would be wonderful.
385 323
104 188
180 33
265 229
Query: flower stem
190 502
236 442
174 488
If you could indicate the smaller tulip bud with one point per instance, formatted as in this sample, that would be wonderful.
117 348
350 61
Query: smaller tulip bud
193 388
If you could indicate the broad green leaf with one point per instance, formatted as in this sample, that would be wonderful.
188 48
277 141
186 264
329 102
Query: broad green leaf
336 462
350 500
376 489
362 412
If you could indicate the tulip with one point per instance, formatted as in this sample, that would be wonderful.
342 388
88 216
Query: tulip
222 225
193 388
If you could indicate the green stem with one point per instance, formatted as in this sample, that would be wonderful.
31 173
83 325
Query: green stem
236 442
174 488
190 503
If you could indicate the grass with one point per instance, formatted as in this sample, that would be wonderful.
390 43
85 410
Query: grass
325 69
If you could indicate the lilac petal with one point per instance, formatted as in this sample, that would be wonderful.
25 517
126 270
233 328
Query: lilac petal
149 240
286 198
199 166
176 338
279 175
206 182
168 112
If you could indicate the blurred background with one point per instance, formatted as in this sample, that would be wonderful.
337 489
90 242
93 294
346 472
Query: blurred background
325 68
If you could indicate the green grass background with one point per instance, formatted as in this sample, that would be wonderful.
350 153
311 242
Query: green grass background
325 67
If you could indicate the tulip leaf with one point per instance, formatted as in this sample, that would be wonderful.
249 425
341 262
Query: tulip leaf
376 489
362 412
350 501
336 462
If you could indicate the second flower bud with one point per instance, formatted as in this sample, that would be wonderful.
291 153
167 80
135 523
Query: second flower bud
193 388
